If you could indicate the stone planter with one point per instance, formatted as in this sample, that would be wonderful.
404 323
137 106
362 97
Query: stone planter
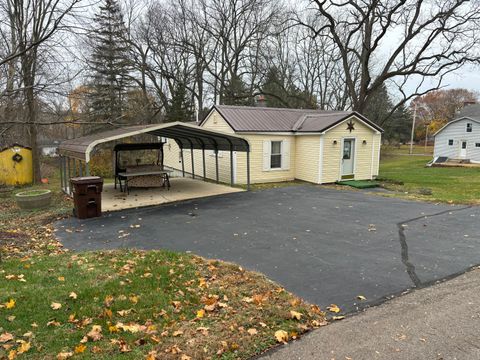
33 199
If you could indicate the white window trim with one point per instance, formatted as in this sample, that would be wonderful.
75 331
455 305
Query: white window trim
285 155
281 154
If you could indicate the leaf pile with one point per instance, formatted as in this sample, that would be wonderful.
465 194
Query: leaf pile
30 232
143 305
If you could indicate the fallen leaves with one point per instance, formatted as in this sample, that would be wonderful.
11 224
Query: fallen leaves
5 337
10 304
20 277
333 308
361 297
95 334
55 306
189 309
80 348
295 315
24 347
64 355
281 336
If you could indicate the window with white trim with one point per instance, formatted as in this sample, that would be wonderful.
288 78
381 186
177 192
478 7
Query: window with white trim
450 142
276 155
469 127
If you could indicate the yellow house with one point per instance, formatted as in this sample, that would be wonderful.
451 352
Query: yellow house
286 144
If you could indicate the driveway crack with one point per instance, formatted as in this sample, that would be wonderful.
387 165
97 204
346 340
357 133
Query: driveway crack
404 245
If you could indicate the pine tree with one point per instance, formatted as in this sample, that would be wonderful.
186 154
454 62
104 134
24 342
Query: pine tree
236 92
109 63
280 91
397 125
180 107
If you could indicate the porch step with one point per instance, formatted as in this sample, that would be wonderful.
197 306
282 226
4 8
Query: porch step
459 161
359 184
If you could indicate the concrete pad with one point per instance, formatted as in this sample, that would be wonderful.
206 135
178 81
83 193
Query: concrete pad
181 189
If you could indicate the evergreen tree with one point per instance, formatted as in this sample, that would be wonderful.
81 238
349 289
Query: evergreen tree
275 94
236 93
397 127
180 107
109 63
280 91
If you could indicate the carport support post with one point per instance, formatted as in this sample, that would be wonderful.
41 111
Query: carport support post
231 165
61 171
69 176
87 169
80 168
193 166
204 162
216 164
181 159
248 168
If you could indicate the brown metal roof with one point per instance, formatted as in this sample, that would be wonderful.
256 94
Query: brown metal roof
187 136
264 119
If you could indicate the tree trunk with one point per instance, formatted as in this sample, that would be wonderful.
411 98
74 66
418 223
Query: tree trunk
29 82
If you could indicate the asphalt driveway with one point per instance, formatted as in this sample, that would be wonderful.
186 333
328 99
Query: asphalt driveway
325 245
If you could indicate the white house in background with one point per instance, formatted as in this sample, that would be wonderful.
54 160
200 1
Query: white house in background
459 139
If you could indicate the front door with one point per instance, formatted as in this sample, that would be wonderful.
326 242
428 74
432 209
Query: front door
463 149
348 156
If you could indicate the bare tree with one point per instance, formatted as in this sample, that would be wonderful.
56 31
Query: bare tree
397 41
31 25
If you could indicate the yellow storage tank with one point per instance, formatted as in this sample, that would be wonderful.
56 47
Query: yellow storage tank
16 165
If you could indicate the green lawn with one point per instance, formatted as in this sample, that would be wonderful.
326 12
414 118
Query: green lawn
128 304
409 174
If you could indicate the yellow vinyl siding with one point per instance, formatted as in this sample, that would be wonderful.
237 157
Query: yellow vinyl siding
257 174
216 122
172 153
363 153
307 157
304 155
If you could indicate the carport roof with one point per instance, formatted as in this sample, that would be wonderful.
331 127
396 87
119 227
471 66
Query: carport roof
186 135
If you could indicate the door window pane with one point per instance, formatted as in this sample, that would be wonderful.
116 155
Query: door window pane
347 150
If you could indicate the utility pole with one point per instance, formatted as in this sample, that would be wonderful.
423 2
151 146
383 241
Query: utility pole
413 127
426 138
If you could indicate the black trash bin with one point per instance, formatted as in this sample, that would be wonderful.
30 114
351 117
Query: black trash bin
87 196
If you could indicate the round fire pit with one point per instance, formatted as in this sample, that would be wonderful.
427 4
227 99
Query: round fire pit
33 199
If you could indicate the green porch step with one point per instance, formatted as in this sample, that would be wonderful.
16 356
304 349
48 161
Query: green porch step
359 184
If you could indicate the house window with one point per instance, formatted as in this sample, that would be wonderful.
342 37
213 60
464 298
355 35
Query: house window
450 142
276 155
469 127
477 144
